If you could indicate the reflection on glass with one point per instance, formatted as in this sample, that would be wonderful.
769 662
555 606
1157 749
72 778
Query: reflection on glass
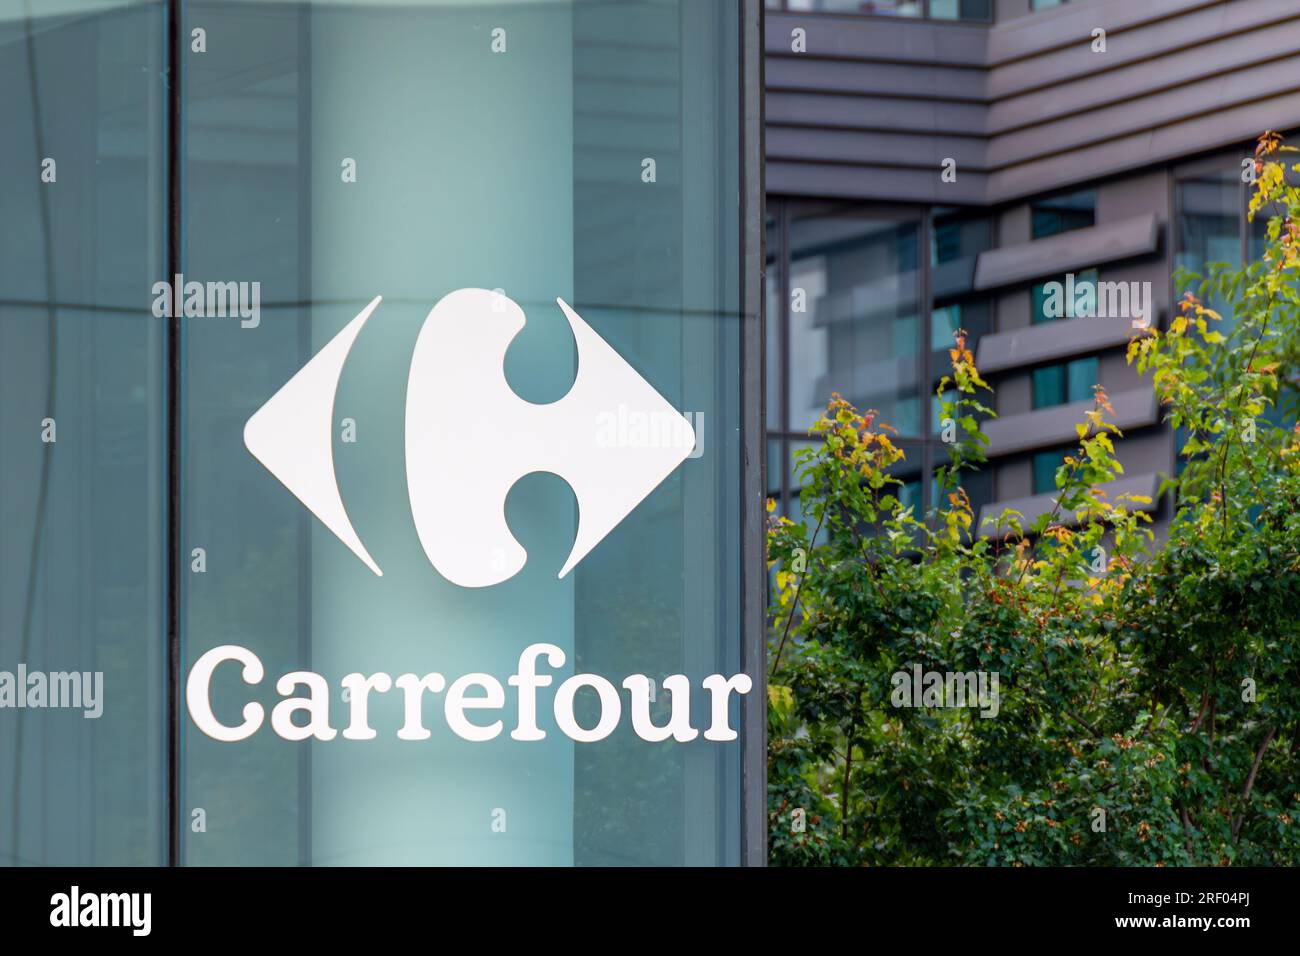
1064 382
961 9
1057 214
970 316
955 236
775 467
545 200
1210 212
774 340
1045 465
81 359
1039 312
857 330
898 8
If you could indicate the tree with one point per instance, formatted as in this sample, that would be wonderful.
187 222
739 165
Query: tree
1146 709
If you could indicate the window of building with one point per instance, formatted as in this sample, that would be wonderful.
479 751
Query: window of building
973 317
895 8
1064 213
934 9
955 236
1210 223
961 9
1039 311
1046 4
1064 382
1045 464
945 322
1210 218
956 240
854 316
775 340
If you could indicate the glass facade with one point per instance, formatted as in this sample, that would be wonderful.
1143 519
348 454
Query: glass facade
81 432
590 152
1045 465
855 316
1052 215
934 9
1066 382
848 288
1211 225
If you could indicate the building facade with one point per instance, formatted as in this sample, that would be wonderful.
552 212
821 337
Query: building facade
935 166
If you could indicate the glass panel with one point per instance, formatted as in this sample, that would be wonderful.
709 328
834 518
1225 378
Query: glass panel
1045 465
1065 382
972 317
977 484
961 9
775 467
859 332
1047 308
944 323
1049 386
1210 216
81 426
957 236
899 8
1057 214
794 447
1081 375
937 419
774 345
909 496
566 149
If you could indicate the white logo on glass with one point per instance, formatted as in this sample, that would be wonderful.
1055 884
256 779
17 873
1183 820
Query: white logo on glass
469 438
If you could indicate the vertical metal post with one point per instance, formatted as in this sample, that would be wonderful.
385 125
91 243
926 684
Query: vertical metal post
753 550
173 414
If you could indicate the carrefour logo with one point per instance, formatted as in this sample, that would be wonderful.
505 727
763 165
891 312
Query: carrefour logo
469 702
469 438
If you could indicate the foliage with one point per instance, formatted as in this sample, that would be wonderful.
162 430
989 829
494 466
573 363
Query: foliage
1149 690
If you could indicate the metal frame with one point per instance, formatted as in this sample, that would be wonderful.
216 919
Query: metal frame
174 38
753 579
